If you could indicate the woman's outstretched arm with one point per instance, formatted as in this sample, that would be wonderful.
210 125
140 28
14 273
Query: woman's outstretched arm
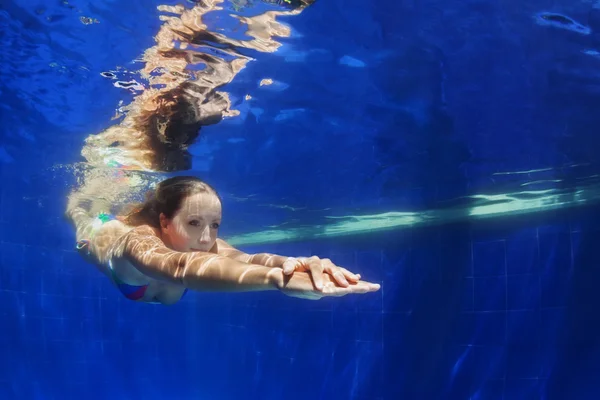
200 271
204 271
316 266
266 259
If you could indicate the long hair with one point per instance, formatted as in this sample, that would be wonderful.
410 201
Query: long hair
174 123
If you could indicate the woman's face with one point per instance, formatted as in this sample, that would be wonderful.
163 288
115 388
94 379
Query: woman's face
194 227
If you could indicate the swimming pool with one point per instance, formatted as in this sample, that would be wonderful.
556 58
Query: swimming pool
444 149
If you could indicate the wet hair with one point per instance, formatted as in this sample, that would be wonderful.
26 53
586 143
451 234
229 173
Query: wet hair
176 122
166 199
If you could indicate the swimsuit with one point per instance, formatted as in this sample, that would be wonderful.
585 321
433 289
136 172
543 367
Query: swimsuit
132 292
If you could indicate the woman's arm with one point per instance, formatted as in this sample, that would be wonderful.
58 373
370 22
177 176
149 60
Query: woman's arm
317 267
204 271
201 271
266 259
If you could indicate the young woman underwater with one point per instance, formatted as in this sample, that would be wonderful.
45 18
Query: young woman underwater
168 245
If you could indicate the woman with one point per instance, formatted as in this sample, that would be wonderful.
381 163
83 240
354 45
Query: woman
169 245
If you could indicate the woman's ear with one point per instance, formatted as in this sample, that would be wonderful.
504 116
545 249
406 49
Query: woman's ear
164 221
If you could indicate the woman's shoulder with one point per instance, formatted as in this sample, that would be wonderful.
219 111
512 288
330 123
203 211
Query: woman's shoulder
144 230
114 228
140 232
118 227
123 236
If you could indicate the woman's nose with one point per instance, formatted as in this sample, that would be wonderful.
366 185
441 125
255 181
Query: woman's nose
205 236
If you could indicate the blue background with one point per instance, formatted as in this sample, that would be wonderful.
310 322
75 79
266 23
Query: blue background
378 106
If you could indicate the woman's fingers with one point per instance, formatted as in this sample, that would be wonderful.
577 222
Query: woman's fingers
316 271
338 278
336 273
303 264
290 265
330 289
349 275
365 287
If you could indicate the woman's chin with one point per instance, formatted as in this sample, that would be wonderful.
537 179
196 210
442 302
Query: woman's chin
197 249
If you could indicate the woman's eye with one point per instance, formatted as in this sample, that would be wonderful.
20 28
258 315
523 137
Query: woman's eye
215 225
195 223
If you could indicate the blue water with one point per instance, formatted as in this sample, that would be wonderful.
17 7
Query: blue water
424 107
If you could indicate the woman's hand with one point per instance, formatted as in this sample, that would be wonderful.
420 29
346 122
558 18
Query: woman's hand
300 284
318 268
